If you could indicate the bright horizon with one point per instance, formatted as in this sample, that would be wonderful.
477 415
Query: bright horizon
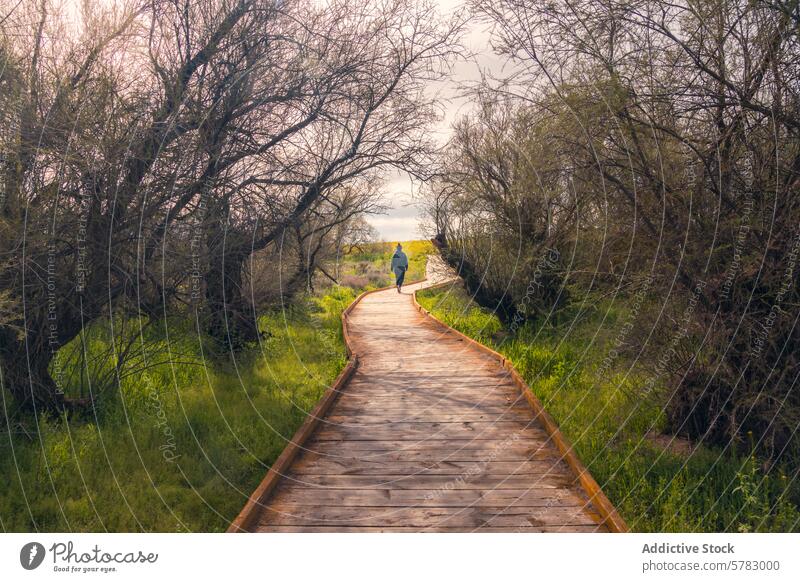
403 219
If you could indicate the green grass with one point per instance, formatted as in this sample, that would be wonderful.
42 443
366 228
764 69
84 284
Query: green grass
656 487
179 447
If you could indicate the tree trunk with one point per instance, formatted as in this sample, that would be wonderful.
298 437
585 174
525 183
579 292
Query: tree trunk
26 374
231 322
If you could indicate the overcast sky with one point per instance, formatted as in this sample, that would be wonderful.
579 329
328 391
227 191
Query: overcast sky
402 221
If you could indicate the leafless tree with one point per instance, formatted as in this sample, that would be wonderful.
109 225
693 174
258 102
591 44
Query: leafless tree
151 147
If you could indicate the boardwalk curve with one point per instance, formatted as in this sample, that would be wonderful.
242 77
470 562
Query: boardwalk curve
427 432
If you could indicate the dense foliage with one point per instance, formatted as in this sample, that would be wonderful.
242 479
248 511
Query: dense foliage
649 152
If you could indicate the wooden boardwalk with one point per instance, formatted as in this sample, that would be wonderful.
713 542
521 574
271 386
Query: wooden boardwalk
429 434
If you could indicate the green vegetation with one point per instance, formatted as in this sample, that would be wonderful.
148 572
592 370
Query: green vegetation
596 185
658 483
371 269
181 444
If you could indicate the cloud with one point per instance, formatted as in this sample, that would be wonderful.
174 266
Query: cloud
396 228
403 220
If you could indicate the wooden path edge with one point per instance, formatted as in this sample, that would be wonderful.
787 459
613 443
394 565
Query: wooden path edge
611 517
249 514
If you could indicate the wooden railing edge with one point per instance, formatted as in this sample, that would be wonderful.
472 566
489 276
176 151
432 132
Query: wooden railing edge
611 517
251 511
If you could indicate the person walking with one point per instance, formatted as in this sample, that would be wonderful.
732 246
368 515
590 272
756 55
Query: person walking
399 266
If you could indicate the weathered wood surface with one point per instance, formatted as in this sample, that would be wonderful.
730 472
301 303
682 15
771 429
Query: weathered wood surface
430 434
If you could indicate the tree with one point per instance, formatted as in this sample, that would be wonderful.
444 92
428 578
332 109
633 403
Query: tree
677 125
152 147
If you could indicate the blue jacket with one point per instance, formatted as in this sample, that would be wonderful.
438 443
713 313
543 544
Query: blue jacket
399 261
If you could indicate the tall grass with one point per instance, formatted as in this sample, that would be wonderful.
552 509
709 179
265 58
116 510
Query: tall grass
658 483
184 439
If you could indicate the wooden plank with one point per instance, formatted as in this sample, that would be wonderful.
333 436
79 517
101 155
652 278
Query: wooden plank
389 407
482 393
368 413
351 466
415 498
369 417
476 384
420 517
394 444
431 452
428 405
350 529
434 450
413 431
431 482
